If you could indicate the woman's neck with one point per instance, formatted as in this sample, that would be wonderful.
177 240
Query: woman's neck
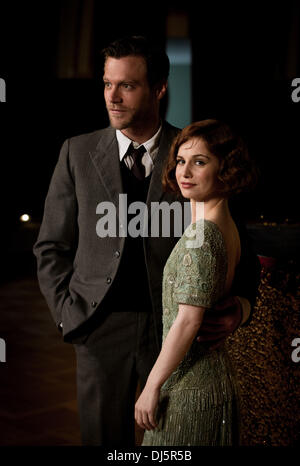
211 210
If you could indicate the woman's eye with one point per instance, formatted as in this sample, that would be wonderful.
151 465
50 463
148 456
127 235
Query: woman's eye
179 162
200 162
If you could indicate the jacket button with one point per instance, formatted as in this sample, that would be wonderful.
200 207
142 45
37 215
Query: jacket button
108 280
93 304
117 254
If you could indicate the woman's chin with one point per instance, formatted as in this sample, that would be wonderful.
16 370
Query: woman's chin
185 193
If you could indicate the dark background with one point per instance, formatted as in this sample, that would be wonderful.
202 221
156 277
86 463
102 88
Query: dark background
245 56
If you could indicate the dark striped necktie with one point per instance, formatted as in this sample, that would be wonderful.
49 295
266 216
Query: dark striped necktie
138 169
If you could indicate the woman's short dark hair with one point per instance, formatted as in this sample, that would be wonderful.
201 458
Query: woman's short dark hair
237 171
157 61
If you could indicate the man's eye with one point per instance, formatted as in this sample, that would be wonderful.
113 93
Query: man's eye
127 86
107 84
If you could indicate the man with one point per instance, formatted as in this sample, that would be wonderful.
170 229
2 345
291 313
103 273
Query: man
105 291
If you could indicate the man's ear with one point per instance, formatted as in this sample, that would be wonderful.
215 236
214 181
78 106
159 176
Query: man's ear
161 90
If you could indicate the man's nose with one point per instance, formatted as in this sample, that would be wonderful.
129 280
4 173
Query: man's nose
114 95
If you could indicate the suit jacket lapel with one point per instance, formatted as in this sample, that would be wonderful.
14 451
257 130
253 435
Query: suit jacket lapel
107 163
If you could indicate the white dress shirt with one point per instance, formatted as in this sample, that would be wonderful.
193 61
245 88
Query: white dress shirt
151 147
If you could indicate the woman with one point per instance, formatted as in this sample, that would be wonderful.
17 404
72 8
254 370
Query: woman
191 396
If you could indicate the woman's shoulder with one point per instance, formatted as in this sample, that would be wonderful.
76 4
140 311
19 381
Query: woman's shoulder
204 235
202 263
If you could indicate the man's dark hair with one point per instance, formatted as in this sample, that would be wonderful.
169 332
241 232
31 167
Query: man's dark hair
156 59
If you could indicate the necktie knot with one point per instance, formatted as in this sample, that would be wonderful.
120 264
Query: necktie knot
138 169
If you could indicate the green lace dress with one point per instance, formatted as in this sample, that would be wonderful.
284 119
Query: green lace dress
199 401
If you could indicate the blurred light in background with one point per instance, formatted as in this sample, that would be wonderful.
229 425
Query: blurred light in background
25 218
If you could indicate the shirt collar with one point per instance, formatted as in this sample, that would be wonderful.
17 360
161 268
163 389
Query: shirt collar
150 145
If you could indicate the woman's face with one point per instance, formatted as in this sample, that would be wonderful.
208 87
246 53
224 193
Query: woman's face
197 170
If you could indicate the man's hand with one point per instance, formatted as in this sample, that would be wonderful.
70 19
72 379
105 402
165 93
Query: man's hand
221 322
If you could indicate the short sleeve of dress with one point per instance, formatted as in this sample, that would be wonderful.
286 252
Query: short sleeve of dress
201 271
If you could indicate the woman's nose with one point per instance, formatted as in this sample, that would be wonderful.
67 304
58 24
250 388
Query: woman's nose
186 171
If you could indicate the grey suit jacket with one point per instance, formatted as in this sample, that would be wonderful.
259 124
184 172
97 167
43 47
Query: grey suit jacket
75 266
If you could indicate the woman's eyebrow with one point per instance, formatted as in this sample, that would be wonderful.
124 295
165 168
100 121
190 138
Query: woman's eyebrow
195 155
201 155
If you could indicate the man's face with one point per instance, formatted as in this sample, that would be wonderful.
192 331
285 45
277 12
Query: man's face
129 100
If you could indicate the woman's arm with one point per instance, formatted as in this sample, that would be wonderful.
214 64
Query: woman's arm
178 341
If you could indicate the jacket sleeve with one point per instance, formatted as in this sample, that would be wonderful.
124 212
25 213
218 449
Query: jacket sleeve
56 244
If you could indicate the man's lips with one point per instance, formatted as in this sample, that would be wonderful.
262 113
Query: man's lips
116 110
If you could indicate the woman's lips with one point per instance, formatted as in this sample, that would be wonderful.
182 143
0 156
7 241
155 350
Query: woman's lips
187 185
